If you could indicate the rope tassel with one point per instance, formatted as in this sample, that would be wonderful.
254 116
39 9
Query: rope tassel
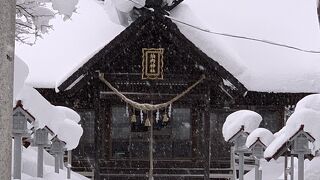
165 118
133 118
147 123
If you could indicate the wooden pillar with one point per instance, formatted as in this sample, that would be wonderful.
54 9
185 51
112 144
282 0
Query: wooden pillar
207 131
151 148
97 109
195 131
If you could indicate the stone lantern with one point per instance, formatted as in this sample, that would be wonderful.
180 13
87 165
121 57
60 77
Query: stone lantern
239 143
19 129
41 136
300 146
257 149
57 148
40 139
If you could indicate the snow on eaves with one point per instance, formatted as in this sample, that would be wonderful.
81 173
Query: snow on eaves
68 46
213 46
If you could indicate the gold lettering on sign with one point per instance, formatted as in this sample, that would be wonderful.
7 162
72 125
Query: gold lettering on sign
152 63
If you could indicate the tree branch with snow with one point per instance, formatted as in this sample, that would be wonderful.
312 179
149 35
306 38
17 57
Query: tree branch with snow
33 17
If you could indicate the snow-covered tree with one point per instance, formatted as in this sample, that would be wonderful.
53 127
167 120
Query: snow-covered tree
33 16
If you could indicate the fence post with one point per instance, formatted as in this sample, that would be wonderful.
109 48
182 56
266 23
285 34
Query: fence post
40 162
17 157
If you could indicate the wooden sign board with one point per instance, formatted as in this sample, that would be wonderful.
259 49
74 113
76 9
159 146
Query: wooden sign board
152 63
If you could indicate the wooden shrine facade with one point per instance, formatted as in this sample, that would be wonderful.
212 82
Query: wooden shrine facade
152 62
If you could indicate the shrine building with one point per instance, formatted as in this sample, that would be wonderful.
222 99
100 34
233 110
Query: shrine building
153 98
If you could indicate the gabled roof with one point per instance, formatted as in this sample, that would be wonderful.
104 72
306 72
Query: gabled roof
55 138
258 141
150 20
45 128
237 134
301 131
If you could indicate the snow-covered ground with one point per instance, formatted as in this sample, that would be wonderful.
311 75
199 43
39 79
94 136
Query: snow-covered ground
29 167
270 170
273 170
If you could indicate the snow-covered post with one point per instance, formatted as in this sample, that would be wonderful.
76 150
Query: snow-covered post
41 140
57 148
56 163
61 158
300 147
69 171
19 130
257 142
233 163
292 168
69 164
236 129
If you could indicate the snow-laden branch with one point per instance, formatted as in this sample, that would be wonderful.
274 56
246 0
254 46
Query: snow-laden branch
33 17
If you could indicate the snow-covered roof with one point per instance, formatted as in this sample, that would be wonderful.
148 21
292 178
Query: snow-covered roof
266 68
66 48
259 67
271 68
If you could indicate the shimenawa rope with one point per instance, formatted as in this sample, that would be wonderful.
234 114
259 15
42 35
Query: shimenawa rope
146 106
